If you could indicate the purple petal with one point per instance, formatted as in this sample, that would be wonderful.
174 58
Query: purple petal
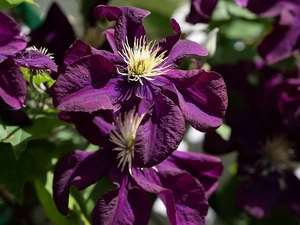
94 127
203 101
160 135
167 43
182 49
215 144
34 60
10 39
128 22
76 51
12 84
206 169
80 49
89 85
242 3
81 169
268 8
123 205
201 11
256 197
110 36
56 34
182 195
283 40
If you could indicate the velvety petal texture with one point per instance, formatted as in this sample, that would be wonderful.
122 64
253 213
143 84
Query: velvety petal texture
182 49
202 97
161 134
182 195
206 169
81 169
11 41
122 206
109 81
91 86
12 85
34 60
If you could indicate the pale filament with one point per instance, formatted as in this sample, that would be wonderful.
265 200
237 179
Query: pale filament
143 60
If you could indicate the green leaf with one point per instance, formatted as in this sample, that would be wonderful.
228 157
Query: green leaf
33 163
240 29
76 204
48 204
226 10
92 194
42 127
224 131
7 4
223 204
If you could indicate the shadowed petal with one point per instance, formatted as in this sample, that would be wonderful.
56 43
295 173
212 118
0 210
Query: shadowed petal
94 127
283 40
76 51
34 60
110 36
88 85
182 49
12 85
206 169
81 169
256 197
182 195
123 206
201 11
161 134
80 49
128 22
204 101
10 39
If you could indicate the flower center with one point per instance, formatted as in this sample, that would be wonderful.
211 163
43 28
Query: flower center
143 60
279 152
124 138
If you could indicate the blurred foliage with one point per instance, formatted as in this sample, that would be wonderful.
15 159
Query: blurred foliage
6 4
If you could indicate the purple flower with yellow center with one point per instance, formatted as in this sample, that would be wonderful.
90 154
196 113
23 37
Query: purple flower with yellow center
183 181
142 69
12 81
269 146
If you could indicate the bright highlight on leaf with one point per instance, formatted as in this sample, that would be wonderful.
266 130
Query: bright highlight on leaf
7 4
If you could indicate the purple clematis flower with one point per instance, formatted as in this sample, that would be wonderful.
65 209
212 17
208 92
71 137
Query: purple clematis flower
183 181
12 81
267 145
142 69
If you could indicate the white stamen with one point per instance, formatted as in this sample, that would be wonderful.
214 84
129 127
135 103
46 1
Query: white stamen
125 138
142 60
